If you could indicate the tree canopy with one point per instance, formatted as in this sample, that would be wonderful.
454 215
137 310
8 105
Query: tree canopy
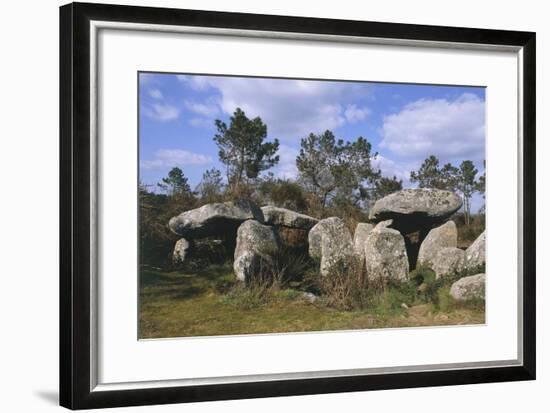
211 187
460 179
332 168
243 148
175 184
386 186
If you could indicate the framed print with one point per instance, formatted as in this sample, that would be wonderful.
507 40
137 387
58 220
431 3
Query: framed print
258 206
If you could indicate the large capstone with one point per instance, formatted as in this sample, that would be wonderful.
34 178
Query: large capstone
421 204
287 218
256 244
386 255
439 237
215 219
330 241
475 254
469 288
448 261
292 227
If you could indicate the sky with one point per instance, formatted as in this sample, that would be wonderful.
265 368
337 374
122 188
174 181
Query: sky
405 123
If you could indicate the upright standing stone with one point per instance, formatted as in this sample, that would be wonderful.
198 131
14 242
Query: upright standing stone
181 250
362 231
386 255
448 261
315 236
443 236
330 240
255 245
475 254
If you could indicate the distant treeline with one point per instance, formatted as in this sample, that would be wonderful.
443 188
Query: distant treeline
335 178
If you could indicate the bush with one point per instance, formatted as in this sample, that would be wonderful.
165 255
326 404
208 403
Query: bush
345 285
276 271
283 193
283 265
155 238
391 299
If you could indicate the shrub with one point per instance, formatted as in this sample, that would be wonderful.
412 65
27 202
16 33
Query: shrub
391 299
345 285
283 193
276 270
155 238
282 265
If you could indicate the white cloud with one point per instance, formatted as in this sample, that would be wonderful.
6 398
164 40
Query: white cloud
169 158
286 168
208 109
355 114
291 108
201 123
390 168
161 112
155 94
196 82
451 130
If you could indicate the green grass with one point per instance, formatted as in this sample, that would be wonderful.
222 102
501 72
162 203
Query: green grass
209 302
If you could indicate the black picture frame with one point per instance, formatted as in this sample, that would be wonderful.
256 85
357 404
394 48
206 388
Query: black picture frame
75 220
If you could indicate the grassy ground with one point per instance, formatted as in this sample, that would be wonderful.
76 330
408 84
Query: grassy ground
207 302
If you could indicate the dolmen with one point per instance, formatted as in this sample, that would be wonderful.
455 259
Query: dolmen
251 233
414 212
405 229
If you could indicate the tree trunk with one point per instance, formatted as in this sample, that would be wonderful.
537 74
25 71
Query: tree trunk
467 210
324 202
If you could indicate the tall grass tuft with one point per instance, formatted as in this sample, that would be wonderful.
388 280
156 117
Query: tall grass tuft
276 269
345 286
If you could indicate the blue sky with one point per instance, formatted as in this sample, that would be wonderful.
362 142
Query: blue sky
404 122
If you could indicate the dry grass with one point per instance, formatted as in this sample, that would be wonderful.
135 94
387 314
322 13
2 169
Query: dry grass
467 234
345 286
209 302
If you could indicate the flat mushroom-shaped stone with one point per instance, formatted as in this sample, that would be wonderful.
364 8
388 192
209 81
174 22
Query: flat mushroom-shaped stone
215 219
287 218
420 204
